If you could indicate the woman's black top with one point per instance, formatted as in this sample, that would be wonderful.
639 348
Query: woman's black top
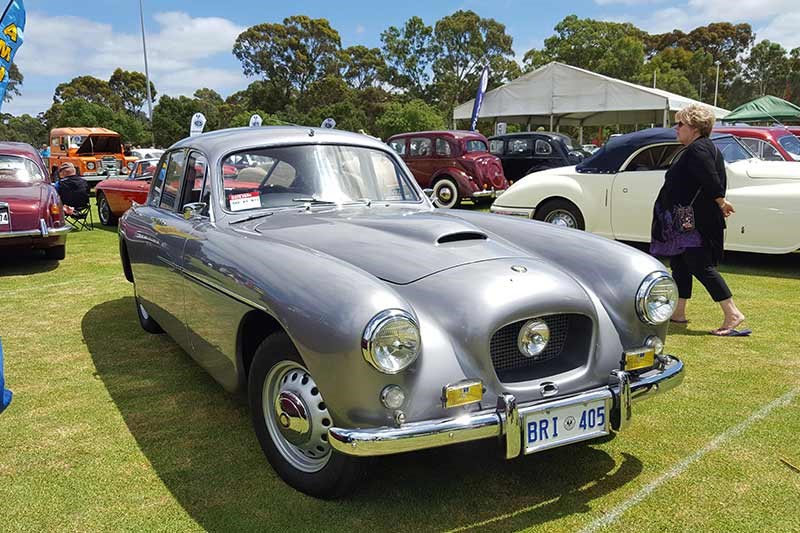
698 167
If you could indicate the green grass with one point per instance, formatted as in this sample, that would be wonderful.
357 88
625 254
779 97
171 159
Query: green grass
115 429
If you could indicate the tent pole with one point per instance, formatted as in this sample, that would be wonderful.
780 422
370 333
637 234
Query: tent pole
666 116
551 122
580 133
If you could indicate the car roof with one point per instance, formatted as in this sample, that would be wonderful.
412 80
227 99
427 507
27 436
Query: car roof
548 134
217 143
82 131
455 134
17 148
762 132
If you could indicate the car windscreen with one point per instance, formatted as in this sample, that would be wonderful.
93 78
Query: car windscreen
475 145
731 149
292 175
15 171
791 144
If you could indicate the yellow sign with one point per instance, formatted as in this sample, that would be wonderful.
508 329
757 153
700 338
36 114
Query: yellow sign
638 359
463 393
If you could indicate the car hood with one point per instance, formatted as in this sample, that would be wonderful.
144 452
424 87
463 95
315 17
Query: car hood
394 244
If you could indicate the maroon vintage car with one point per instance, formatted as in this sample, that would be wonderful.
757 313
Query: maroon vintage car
457 165
31 214
774 143
114 196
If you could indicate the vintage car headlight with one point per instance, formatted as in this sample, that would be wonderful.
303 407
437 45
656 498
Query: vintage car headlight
90 165
656 298
391 341
533 338
655 342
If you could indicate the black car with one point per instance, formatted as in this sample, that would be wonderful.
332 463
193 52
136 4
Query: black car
523 153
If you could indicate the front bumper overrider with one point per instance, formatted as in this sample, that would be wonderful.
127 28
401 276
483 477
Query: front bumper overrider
506 419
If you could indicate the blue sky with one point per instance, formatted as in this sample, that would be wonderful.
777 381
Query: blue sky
189 42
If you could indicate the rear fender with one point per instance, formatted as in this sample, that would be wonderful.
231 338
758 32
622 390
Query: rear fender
466 185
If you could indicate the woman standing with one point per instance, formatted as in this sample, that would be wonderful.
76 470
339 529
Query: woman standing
697 179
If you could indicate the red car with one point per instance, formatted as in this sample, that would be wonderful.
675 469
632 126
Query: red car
114 196
455 164
775 143
31 214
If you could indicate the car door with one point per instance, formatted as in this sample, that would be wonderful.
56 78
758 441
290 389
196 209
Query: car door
517 157
419 159
634 191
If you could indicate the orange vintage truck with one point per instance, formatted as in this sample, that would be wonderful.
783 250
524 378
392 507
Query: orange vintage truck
96 152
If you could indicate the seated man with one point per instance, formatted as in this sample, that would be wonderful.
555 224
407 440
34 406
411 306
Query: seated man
73 189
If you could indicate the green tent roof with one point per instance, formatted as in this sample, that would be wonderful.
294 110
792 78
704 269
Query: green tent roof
765 109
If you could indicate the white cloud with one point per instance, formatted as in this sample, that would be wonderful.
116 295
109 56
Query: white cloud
783 30
31 103
626 2
69 46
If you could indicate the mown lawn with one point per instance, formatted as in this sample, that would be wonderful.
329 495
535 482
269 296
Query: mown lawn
115 429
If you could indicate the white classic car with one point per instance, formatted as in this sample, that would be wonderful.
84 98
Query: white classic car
612 193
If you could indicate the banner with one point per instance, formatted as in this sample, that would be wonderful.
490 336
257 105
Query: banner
5 395
13 25
479 97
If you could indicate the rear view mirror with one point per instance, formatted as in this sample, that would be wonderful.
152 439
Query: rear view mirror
194 210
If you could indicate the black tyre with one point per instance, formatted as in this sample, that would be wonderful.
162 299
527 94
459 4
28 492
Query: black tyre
56 252
147 322
445 194
291 422
107 217
561 213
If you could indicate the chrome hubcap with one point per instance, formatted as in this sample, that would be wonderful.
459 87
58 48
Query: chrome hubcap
559 217
296 416
445 194
104 209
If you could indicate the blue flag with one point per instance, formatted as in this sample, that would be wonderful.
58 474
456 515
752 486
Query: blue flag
479 97
5 395
12 26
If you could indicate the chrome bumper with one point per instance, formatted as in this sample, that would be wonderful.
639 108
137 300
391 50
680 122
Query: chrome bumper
506 420
42 231
490 193
513 211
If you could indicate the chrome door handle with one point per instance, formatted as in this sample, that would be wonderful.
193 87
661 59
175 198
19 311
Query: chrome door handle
624 189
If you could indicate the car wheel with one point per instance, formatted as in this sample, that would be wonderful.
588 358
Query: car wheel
107 217
56 252
291 422
147 322
561 213
445 194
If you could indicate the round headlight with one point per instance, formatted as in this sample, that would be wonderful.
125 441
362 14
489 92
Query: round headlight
90 165
656 298
533 338
391 341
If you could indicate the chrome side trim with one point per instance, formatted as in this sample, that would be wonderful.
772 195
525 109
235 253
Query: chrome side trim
513 211
51 232
505 420
219 288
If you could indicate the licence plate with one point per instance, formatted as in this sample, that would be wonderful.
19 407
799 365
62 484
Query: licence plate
565 424
4 216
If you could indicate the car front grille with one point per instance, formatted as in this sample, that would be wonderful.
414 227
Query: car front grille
570 338
110 164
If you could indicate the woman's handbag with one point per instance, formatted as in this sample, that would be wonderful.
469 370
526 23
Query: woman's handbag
674 241
683 216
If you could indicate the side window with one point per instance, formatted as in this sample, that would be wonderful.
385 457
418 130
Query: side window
753 145
172 180
496 146
420 147
523 146
442 147
543 147
654 158
156 186
195 180
769 152
399 146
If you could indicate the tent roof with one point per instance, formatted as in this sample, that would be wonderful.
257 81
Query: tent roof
575 96
765 109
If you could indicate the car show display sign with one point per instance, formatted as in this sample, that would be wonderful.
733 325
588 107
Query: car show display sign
5 394
255 121
328 123
13 25
197 125
500 128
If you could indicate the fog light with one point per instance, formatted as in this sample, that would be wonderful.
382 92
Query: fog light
533 338
393 397
655 343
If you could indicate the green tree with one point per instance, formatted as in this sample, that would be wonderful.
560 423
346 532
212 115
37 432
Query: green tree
243 119
464 44
362 66
15 79
260 95
414 115
326 91
90 89
291 55
611 48
792 92
131 87
171 118
24 128
79 112
408 54
768 68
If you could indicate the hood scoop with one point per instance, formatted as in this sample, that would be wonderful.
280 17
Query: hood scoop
462 236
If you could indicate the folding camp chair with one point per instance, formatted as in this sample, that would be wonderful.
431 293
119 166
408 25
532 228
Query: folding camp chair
81 218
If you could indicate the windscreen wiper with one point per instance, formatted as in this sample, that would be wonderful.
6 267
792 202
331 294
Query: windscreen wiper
313 200
251 217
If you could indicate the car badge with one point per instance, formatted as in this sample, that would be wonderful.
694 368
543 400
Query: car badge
519 268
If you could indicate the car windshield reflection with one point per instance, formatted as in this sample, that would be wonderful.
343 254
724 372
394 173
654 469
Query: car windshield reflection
19 170
316 174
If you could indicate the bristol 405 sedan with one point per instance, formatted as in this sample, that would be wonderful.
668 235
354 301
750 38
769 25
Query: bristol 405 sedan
306 268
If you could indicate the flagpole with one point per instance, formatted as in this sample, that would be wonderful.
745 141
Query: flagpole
147 75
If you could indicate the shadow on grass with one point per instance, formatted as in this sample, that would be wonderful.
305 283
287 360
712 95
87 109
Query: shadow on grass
199 442
25 261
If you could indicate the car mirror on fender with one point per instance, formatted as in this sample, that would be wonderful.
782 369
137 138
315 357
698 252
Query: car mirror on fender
194 210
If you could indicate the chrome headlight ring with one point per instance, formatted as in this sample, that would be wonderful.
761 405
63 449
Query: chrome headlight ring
391 341
656 298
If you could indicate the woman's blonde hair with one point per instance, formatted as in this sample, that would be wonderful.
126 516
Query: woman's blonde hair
697 116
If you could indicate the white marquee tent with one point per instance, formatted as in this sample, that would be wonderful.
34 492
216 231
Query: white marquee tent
562 95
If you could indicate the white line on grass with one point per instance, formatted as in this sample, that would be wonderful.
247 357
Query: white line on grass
680 467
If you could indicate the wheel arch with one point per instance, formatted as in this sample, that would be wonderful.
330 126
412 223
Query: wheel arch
254 327
459 176
126 260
